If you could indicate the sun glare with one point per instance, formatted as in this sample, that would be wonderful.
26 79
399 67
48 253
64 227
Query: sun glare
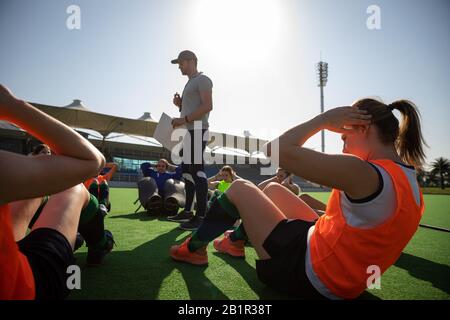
248 30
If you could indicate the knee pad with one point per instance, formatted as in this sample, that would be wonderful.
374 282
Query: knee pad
174 193
201 174
188 177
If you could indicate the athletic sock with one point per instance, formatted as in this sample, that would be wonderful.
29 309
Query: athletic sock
239 233
91 225
215 223
93 189
103 196
227 206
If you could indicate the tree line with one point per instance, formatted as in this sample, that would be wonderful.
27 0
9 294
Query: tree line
437 176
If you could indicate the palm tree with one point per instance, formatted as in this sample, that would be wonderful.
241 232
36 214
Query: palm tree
440 166
422 178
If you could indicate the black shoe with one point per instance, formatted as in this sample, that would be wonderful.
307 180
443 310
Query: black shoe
95 256
183 216
192 224
79 241
154 203
171 206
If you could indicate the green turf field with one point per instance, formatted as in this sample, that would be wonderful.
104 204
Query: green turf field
140 268
436 191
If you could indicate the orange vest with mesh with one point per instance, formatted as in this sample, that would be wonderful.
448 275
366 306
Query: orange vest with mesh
341 254
16 277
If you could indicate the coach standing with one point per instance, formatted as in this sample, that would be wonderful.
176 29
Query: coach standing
195 105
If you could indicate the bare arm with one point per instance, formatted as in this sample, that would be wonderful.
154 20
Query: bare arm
216 177
214 181
344 172
263 184
75 161
213 184
177 100
293 188
204 108
313 203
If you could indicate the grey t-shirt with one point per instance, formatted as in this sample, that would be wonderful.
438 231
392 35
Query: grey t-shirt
191 98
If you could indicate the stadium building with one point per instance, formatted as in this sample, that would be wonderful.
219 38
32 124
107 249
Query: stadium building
128 143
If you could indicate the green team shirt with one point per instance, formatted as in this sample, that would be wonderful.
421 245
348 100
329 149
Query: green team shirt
223 186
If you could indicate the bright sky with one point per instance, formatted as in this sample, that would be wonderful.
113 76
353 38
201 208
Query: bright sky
260 55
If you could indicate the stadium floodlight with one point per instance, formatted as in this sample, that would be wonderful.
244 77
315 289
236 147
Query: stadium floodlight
322 72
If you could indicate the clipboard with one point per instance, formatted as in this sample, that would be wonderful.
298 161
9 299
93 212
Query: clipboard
164 133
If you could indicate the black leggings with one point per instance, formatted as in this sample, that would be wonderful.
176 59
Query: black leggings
194 175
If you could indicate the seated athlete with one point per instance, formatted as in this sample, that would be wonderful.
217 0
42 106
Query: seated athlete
164 184
41 149
223 179
220 182
373 212
99 185
91 226
284 178
36 266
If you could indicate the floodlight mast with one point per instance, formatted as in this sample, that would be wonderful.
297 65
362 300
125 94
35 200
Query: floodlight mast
322 72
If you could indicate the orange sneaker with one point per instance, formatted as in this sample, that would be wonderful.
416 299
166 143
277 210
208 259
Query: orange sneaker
181 253
233 248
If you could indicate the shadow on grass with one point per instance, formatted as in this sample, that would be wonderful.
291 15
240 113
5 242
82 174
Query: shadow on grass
141 273
248 273
141 215
420 268
198 285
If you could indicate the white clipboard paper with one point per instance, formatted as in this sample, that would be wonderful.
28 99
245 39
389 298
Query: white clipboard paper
163 132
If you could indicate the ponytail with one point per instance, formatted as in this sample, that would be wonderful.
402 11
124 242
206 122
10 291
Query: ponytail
405 135
409 143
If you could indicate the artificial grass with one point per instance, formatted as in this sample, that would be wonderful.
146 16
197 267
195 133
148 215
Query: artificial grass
432 190
437 210
139 267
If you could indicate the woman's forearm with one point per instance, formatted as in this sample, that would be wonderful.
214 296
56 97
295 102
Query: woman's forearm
61 138
212 179
298 135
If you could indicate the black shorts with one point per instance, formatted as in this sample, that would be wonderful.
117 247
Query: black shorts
49 254
285 271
